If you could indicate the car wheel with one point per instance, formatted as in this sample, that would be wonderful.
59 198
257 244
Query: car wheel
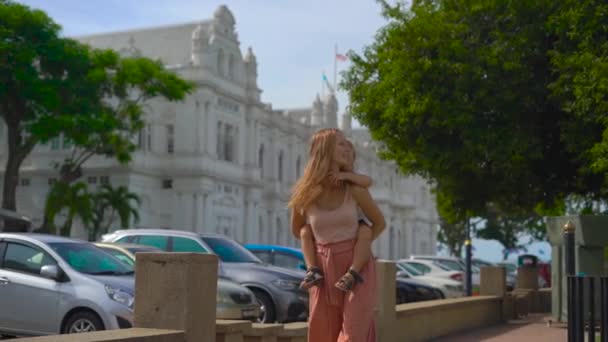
267 311
83 321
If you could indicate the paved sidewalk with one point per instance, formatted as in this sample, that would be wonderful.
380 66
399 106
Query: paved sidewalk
531 328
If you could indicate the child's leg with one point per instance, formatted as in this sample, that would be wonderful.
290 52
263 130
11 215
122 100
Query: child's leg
361 255
363 248
314 275
308 246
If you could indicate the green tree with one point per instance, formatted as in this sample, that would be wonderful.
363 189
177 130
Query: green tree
51 85
110 203
465 94
452 235
72 199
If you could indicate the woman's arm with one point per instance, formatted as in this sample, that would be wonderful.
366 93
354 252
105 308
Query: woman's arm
351 177
297 222
358 179
370 209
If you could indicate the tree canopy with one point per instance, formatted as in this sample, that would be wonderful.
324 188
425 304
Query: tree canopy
52 85
501 104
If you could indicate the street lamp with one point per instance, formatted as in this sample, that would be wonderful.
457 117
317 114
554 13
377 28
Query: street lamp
468 254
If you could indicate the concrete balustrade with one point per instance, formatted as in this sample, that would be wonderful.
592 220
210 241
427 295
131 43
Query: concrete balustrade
263 332
231 331
125 335
173 293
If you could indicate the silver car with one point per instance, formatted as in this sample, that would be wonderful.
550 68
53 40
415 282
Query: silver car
233 300
55 285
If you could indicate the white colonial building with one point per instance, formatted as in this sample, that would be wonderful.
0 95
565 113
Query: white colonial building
222 160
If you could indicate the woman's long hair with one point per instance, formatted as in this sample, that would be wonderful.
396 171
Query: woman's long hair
309 187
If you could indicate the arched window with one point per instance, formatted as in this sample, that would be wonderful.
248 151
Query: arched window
220 62
261 159
280 175
298 167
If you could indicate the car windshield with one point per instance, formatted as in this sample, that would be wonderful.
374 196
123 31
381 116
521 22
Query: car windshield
230 251
410 269
451 265
120 255
89 259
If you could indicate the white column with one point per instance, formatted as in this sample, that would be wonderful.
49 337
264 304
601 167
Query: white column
201 127
211 130
187 211
196 225
178 211
209 218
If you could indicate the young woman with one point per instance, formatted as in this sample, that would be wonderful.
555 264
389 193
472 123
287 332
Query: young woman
331 210
362 253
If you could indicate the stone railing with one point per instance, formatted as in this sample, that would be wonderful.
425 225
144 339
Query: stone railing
173 304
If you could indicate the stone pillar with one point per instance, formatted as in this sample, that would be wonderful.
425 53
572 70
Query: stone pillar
590 238
161 302
493 281
386 315
527 278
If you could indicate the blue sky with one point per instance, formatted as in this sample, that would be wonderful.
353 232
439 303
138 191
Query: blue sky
293 40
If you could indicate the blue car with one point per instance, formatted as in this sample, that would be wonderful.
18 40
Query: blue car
281 256
408 290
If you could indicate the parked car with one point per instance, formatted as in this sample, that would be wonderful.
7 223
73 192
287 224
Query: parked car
234 301
408 290
452 264
448 287
411 290
125 252
544 273
428 267
280 256
276 289
56 285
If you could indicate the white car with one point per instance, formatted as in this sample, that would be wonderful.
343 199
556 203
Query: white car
450 288
426 267
451 264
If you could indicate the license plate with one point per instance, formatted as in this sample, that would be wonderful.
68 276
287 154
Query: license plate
248 313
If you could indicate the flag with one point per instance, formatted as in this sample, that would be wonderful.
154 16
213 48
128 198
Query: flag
341 57
324 77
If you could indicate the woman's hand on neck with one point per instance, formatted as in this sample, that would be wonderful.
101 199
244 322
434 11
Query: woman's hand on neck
334 168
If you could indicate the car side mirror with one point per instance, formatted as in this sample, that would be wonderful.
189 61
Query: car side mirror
50 272
302 266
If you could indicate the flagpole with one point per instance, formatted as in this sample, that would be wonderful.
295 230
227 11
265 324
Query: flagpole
335 65
323 85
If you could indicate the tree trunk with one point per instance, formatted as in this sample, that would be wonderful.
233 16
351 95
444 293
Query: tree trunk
68 173
16 154
66 229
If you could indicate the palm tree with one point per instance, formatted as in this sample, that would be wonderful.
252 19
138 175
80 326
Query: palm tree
73 199
110 203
